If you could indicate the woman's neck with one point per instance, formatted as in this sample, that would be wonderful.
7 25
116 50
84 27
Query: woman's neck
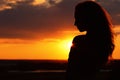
93 34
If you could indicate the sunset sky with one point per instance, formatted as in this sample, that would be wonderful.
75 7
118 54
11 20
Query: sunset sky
44 29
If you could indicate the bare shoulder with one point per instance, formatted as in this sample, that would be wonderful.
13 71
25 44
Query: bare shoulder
79 38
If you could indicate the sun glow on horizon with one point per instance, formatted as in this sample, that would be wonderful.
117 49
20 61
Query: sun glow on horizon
47 48
66 44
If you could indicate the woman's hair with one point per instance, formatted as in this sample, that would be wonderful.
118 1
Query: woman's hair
98 21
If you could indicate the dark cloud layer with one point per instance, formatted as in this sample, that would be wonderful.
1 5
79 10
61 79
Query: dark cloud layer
28 22
112 6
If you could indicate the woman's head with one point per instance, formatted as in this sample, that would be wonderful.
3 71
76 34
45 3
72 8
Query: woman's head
90 16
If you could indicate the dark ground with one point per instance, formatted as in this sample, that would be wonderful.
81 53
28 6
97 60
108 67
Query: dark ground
48 70
32 69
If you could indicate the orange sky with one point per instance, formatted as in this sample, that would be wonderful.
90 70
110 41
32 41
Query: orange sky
44 29
49 48
54 48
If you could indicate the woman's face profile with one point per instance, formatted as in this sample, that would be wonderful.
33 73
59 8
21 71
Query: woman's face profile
80 25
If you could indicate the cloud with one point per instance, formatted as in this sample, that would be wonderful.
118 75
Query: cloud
9 4
32 19
117 30
118 15
112 7
46 3
28 21
38 2
15 41
51 40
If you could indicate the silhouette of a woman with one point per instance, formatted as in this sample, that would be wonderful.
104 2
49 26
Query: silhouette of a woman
90 52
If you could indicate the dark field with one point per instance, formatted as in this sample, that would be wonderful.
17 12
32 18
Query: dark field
32 69
48 70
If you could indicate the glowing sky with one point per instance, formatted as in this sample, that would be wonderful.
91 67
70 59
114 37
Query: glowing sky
43 29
